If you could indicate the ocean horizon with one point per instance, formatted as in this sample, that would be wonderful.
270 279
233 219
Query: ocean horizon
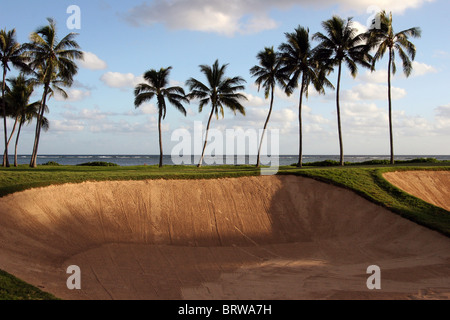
137 160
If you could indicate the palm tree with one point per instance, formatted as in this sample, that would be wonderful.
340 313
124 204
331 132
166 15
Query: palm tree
300 63
157 87
10 52
220 91
268 73
18 106
385 39
341 44
54 64
26 116
16 98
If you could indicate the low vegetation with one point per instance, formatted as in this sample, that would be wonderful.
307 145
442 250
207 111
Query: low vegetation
331 163
12 288
98 164
50 163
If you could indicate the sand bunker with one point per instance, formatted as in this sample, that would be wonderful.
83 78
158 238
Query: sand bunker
272 237
431 186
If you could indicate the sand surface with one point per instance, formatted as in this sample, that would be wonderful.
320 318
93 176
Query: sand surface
431 186
268 237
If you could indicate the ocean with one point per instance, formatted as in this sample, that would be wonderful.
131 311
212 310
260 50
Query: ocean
137 160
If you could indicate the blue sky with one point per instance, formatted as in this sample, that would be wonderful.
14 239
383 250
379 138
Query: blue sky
123 39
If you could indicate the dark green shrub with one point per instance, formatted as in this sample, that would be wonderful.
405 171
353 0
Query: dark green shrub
51 163
99 164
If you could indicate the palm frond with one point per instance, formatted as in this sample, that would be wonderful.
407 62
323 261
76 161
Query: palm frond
142 98
143 87
59 90
219 88
196 85
414 32
393 65
45 123
351 66
408 45
203 102
407 65
177 104
265 72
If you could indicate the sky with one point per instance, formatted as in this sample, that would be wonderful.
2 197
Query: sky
123 39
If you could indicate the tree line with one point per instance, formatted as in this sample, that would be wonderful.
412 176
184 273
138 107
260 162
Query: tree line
45 62
296 65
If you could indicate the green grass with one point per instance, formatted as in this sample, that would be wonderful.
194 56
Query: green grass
370 184
22 177
364 179
12 288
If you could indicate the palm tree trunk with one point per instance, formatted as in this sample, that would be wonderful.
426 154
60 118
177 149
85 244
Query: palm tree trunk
300 129
206 138
160 141
17 143
341 147
5 155
33 162
264 130
390 107
10 137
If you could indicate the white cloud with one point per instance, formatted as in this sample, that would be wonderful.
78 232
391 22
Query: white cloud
360 28
442 119
87 114
190 112
147 108
367 119
121 80
122 126
66 125
241 16
79 85
74 95
377 76
293 98
259 23
381 75
363 118
254 101
212 16
420 69
284 119
92 62
443 111
441 54
284 116
371 91
398 6
409 126
98 121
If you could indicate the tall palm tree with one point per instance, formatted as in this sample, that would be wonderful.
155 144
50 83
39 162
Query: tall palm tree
385 39
19 107
268 73
220 91
54 63
16 98
341 44
10 52
26 116
300 63
157 87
